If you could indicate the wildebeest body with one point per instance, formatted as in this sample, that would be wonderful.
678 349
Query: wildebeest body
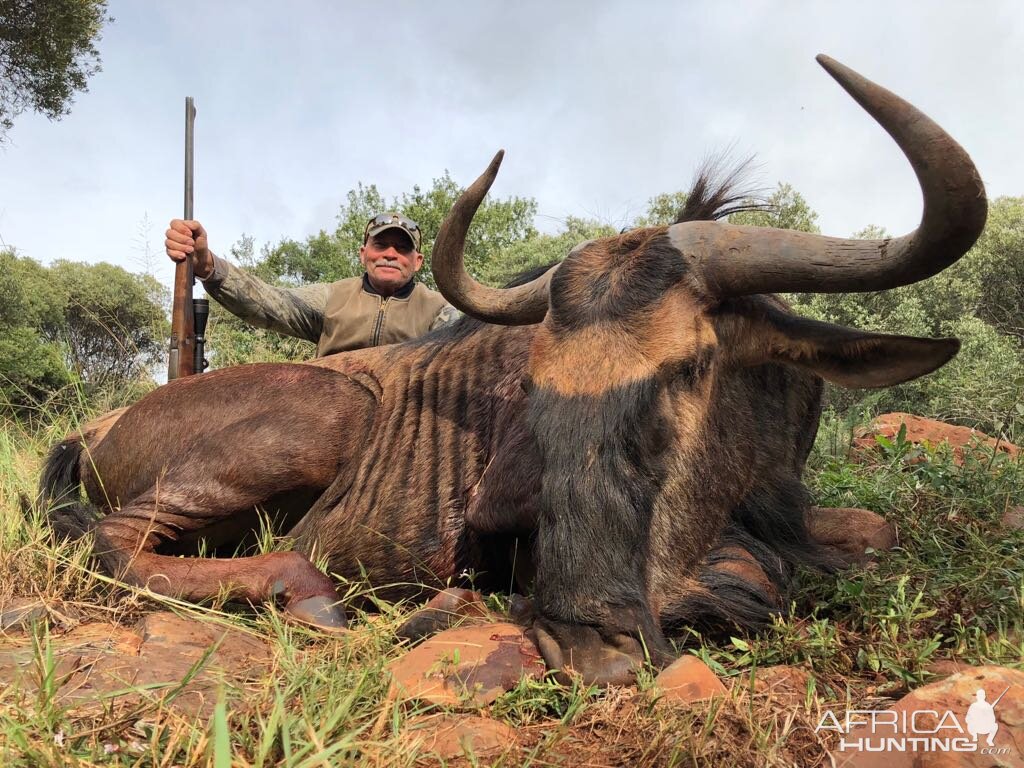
636 417
444 476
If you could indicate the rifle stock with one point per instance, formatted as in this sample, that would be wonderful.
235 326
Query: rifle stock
182 358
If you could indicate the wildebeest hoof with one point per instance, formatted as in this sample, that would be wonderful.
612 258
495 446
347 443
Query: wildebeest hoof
443 611
318 611
581 650
520 609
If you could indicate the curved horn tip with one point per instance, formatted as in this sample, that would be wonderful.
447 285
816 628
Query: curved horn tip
492 169
838 71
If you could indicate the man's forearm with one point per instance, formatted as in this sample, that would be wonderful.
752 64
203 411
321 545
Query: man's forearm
296 312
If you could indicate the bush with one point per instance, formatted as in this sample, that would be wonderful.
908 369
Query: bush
92 325
981 387
979 300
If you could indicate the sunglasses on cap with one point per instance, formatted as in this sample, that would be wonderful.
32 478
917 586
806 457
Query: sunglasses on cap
388 220
392 218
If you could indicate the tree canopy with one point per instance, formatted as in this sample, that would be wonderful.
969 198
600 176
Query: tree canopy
47 54
94 325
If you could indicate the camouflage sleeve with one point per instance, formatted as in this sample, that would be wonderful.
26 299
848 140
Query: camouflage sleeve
296 312
446 315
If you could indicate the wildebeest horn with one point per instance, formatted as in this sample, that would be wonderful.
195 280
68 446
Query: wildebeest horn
521 305
736 261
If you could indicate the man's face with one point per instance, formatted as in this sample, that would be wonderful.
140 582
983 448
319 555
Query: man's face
390 260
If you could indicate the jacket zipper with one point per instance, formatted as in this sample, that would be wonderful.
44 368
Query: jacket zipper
380 320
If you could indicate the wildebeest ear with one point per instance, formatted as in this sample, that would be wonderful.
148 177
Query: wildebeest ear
844 356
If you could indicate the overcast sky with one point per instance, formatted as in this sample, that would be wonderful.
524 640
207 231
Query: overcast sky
600 105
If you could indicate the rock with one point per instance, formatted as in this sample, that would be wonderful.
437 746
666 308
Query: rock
96 659
943 668
166 635
921 430
21 613
1013 519
448 736
686 680
850 531
782 682
946 703
466 666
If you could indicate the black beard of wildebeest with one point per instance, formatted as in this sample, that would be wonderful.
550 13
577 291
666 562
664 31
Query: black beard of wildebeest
603 455
631 425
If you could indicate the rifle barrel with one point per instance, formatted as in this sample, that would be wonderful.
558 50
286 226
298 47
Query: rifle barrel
190 154
181 357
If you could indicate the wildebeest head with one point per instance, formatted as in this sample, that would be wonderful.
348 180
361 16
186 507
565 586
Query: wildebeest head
639 335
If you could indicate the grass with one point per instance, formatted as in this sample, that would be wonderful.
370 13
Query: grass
954 588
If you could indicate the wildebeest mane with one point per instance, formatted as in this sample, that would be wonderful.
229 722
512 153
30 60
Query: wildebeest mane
719 190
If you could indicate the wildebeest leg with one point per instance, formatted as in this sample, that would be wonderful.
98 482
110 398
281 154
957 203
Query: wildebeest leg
127 542
739 584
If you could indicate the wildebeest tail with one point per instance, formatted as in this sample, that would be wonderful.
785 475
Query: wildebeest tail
59 492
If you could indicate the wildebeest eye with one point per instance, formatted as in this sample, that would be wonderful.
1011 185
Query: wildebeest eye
527 384
659 436
686 372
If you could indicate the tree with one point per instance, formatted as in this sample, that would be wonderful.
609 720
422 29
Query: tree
995 268
786 209
662 209
31 314
540 249
94 325
114 326
47 54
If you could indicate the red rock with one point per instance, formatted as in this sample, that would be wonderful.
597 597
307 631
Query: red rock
448 736
921 430
166 634
851 531
954 695
100 637
782 681
466 666
20 613
688 679
943 668
96 659
1013 519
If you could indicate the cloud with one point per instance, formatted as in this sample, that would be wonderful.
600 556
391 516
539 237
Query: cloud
601 105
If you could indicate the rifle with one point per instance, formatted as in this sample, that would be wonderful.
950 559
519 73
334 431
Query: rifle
188 315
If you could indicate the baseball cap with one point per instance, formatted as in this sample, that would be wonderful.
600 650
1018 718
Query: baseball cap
392 220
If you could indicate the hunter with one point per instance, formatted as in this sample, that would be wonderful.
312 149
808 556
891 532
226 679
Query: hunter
384 306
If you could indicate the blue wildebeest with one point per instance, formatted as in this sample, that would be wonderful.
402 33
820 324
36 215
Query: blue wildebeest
636 415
